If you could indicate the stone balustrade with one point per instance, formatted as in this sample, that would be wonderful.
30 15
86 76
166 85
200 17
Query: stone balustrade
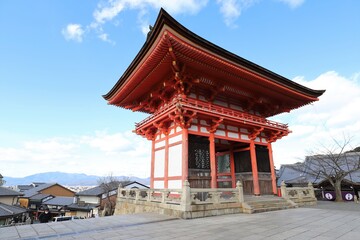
300 195
185 203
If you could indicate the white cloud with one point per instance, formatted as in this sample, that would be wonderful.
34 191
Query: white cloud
109 10
105 38
333 116
73 32
231 9
293 3
122 153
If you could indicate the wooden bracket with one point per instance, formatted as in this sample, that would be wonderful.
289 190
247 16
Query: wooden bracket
255 132
213 124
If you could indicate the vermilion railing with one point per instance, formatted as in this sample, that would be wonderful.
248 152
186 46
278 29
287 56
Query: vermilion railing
212 108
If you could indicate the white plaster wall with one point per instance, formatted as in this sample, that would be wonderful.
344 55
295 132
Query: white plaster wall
160 144
159 184
220 133
174 184
193 128
236 107
90 199
244 130
204 130
159 163
232 128
175 161
221 103
8 200
203 122
245 137
233 135
192 95
175 139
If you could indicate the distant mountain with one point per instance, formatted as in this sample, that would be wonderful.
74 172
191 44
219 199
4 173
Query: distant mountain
67 179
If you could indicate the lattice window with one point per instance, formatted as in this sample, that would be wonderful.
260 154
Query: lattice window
199 154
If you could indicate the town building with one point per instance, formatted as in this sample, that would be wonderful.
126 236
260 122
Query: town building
8 196
96 198
301 173
35 199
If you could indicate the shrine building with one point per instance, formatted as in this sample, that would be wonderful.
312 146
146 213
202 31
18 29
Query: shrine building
208 111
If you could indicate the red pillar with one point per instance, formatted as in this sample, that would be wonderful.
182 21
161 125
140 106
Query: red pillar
152 164
254 168
272 169
185 155
212 161
166 164
232 168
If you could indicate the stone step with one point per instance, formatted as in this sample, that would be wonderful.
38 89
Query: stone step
256 205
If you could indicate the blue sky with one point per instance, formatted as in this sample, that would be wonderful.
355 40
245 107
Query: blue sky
58 57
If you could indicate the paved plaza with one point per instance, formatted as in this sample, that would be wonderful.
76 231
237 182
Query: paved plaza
326 221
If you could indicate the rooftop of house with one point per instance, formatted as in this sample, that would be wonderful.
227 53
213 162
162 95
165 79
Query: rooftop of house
299 172
99 190
9 192
60 201
39 197
33 191
9 210
82 206
23 188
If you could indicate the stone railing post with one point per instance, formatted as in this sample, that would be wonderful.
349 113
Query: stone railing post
137 194
149 192
163 196
186 196
283 190
311 189
119 190
216 196
240 190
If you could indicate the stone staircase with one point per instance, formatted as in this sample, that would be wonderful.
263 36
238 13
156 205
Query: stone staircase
257 204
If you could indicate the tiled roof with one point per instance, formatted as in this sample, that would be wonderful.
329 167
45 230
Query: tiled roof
298 172
98 190
8 192
8 210
23 188
60 201
85 207
39 196
36 190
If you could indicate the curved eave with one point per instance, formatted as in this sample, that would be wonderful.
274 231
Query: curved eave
165 19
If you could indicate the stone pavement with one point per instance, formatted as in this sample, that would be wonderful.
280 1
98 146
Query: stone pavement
323 222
